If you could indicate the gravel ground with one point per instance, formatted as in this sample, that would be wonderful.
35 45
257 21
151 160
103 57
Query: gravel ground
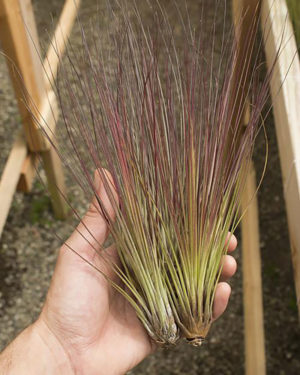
31 237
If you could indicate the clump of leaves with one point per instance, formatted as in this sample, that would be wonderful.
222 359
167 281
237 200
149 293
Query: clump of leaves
154 106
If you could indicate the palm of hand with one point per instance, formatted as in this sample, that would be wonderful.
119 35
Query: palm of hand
95 324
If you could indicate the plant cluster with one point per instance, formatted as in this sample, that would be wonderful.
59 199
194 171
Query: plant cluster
156 107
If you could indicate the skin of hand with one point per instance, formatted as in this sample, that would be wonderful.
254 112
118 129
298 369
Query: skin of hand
86 326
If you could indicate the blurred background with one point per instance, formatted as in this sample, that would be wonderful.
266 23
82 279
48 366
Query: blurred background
31 237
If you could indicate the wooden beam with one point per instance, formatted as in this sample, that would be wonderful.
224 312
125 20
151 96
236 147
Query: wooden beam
56 184
48 115
50 66
246 18
255 363
46 119
20 45
245 15
285 91
10 176
58 44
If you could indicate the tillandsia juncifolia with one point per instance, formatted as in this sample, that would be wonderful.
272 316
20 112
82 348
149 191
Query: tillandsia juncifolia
153 103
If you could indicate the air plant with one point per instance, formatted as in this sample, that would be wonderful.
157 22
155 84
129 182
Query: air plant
165 119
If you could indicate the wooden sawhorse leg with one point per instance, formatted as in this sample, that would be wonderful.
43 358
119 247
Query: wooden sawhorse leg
36 100
255 362
246 15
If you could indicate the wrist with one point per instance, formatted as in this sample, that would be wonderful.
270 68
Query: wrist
35 351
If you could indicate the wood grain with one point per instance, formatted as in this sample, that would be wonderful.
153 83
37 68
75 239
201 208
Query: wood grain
285 91
255 362
10 176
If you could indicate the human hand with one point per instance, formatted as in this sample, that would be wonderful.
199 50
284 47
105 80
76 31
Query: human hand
86 325
95 324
